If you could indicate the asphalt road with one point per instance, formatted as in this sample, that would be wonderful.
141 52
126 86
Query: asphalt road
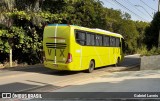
126 81
40 79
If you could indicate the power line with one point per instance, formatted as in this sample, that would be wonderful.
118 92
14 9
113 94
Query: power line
144 9
134 6
128 9
147 5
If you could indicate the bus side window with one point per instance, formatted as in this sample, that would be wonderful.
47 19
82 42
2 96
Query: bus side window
114 42
98 40
105 40
88 39
92 39
118 42
111 41
80 37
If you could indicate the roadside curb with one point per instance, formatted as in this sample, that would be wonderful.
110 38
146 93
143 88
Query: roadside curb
132 55
21 67
118 69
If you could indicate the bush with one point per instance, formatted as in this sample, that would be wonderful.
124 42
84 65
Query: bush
144 52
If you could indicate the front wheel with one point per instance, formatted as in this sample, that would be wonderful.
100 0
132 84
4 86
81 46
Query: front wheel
91 67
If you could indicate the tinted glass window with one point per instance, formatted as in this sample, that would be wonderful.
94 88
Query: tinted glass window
88 39
98 40
112 41
105 40
92 39
80 37
117 42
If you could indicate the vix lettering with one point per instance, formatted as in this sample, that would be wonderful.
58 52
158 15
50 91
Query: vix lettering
61 52
49 51
56 46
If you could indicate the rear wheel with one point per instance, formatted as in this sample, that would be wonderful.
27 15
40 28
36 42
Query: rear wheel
91 67
117 62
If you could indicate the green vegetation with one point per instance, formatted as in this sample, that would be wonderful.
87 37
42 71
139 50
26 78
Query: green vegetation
150 38
22 23
152 32
145 52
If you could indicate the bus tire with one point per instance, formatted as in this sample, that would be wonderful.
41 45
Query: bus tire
117 62
91 66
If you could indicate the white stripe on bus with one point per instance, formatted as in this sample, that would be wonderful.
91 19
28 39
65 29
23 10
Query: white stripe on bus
55 35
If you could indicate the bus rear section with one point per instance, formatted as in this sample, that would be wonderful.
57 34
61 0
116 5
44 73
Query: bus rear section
56 47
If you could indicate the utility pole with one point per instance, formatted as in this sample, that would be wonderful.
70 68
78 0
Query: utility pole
158 5
159 29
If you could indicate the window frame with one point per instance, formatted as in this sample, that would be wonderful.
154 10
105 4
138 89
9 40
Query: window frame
75 33
112 40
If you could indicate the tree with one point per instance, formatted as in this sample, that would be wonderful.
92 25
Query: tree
141 27
24 21
128 29
126 16
152 32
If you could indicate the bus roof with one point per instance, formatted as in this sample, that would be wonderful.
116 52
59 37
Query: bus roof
91 29
108 32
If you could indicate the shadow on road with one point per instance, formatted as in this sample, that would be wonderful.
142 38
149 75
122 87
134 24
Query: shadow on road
16 86
24 87
128 61
43 70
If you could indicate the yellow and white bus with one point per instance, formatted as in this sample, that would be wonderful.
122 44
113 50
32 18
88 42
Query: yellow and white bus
75 48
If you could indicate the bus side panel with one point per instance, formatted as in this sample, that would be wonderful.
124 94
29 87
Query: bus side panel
88 55
98 56
103 56
106 56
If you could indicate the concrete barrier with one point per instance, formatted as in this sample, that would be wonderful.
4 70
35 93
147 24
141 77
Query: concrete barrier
150 62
